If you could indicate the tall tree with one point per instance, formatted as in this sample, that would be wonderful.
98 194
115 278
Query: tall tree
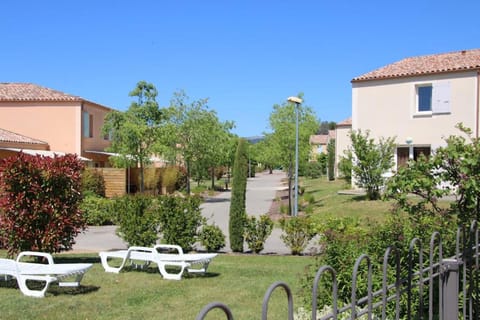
237 202
135 132
195 132
282 139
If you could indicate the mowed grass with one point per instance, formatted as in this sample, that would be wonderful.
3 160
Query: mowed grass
239 281
329 203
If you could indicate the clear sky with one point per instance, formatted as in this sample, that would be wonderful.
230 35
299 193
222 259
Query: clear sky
244 55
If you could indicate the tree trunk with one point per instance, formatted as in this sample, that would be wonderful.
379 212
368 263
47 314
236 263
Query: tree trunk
142 182
213 178
188 177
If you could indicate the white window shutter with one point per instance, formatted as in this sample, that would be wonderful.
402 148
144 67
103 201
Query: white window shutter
441 97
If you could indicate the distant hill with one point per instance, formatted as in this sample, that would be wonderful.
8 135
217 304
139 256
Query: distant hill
254 139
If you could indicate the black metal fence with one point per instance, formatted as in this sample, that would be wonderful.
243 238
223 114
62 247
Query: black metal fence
442 288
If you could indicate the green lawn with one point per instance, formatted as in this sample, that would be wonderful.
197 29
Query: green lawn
328 203
239 281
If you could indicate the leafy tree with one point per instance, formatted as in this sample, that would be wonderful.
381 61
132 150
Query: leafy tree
135 133
196 133
237 202
281 141
39 203
326 126
265 153
370 161
451 170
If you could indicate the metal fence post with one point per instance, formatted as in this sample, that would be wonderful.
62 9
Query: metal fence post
449 299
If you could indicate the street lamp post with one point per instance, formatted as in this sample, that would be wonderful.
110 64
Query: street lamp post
297 102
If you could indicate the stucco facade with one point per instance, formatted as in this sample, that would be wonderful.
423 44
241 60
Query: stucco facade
342 141
59 119
388 109
389 102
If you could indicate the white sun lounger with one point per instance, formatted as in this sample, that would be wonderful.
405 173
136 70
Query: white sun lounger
47 273
147 255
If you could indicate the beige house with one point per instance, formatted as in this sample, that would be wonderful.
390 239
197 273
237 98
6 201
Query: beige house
34 117
419 101
342 141
318 145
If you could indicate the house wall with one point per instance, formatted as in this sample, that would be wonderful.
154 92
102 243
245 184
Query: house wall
53 122
60 124
387 108
97 142
342 142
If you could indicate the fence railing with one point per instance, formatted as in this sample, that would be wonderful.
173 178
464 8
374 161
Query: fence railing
446 289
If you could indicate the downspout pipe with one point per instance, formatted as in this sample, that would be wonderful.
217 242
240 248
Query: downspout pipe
478 105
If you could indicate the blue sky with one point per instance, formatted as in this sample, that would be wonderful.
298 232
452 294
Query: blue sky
245 56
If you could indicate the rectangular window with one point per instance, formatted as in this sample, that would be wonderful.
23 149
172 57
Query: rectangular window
424 98
421 151
87 125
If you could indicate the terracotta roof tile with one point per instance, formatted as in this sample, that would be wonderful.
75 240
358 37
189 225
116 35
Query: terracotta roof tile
319 139
32 92
345 123
431 64
9 136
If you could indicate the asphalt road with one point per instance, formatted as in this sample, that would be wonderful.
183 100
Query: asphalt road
261 191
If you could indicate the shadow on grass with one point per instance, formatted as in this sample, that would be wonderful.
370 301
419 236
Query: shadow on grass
186 274
54 289
358 198
76 259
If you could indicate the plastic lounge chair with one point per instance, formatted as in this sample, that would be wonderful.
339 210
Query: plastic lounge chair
47 273
147 255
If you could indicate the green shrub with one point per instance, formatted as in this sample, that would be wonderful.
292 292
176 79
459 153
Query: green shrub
93 182
136 219
97 211
212 238
345 168
314 169
298 231
237 202
179 220
257 231
39 202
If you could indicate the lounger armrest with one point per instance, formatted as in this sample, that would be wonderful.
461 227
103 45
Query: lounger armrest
48 256
169 246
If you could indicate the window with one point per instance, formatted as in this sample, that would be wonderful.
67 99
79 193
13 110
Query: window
421 151
87 125
433 98
424 95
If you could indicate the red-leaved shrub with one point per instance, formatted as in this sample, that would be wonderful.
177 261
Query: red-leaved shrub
39 203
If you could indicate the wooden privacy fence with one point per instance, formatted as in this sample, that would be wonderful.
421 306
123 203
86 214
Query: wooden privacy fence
115 181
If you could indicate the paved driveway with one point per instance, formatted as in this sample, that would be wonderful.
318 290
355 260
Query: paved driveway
261 191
